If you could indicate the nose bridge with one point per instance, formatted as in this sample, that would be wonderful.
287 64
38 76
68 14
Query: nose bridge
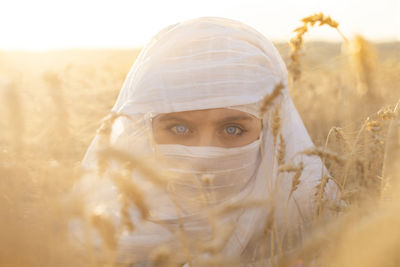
206 136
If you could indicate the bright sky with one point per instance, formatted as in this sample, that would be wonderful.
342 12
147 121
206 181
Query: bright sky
54 24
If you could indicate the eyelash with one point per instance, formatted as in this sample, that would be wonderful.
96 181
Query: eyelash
241 129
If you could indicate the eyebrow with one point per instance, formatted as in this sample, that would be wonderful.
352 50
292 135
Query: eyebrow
237 118
230 118
171 118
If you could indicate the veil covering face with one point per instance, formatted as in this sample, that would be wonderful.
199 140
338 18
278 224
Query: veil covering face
207 192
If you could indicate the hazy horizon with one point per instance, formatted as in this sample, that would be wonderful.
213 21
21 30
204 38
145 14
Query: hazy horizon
137 48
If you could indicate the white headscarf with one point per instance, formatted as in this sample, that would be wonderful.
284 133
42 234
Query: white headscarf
198 64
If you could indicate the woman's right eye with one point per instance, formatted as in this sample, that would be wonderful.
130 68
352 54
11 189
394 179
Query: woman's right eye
180 129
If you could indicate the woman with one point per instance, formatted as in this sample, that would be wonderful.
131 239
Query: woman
206 106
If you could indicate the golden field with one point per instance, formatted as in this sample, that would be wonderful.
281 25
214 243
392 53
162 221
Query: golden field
52 103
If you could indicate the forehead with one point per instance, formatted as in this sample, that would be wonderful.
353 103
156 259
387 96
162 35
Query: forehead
216 114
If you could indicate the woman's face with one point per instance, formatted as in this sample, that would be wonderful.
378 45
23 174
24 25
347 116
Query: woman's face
219 127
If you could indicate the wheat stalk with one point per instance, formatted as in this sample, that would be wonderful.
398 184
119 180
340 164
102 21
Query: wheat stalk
131 162
281 150
296 178
363 59
131 192
126 219
276 124
319 193
15 117
297 42
106 230
322 153
269 99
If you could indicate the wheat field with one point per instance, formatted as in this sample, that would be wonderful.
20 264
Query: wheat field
52 104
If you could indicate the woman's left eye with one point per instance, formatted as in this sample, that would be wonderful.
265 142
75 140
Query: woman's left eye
233 130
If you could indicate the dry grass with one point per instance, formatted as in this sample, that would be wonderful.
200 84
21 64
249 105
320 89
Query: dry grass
52 104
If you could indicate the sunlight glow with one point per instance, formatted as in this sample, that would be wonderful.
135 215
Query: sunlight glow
48 24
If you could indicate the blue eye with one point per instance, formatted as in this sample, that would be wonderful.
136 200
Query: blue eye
180 129
233 130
